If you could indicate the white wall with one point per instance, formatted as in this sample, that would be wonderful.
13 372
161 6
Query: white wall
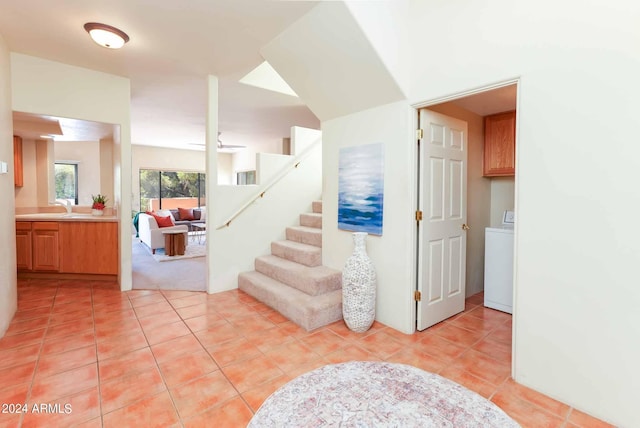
225 169
576 315
386 27
106 170
478 194
302 138
393 253
8 292
87 155
45 87
148 157
245 160
502 198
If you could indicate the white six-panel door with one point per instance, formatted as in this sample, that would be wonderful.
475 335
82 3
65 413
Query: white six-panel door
442 237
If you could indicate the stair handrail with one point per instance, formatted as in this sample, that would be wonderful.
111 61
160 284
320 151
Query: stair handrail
262 189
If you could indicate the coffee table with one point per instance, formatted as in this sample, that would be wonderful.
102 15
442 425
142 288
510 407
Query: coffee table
174 242
199 231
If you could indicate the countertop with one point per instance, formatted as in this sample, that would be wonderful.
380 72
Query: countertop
65 217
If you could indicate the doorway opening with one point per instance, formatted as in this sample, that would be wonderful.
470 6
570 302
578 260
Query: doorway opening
444 270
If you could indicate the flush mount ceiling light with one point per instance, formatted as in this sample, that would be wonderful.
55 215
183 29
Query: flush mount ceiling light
106 35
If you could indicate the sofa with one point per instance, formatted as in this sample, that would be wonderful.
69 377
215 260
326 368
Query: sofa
151 234
199 216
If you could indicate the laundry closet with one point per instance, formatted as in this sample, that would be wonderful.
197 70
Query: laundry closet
490 200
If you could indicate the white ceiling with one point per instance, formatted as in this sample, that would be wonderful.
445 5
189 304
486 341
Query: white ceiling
490 102
34 127
173 47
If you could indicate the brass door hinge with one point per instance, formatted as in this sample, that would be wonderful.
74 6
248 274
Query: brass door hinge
417 296
419 134
418 215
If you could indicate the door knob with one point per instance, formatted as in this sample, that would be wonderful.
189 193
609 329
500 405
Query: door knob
465 227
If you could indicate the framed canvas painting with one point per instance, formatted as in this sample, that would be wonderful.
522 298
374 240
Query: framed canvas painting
361 188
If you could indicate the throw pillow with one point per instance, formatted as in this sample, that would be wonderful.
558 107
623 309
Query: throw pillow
162 221
203 213
165 213
186 213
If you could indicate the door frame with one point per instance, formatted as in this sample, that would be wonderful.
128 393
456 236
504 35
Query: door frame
416 163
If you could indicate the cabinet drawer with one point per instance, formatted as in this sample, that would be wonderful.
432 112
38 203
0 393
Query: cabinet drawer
23 225
45 225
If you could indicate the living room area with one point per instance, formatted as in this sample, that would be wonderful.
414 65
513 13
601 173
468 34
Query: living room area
171 257
168 219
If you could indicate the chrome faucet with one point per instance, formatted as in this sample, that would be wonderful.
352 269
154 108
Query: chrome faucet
65 203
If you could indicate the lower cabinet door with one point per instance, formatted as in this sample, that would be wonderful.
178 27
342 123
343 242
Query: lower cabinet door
89 247
45 251
23 250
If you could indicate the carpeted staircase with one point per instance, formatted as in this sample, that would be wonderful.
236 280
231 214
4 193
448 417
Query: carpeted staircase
292 279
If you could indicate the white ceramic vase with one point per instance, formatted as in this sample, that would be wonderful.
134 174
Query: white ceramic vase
359 287
97 212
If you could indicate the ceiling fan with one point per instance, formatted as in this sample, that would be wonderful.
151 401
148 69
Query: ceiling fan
223 148
230 147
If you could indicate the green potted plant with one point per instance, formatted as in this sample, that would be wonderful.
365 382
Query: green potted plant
99 204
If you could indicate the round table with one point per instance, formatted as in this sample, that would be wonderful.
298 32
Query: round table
376 394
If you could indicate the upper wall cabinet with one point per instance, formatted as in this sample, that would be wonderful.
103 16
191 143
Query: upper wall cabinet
500 144
17 161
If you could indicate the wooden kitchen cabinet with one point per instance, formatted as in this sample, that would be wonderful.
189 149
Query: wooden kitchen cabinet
45 246
500 145
89 247
24 259
67 247
18 177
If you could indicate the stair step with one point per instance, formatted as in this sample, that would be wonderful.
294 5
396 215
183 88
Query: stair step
310 280
311 220
316 207
304 254
305 235
309 312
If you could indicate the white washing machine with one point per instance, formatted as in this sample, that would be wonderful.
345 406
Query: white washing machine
498 265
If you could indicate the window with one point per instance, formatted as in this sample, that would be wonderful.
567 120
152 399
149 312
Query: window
246 177
171 189
66 176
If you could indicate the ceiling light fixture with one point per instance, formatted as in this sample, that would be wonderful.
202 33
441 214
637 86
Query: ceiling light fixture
106 35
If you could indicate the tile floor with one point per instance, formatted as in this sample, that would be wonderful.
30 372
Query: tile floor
187 359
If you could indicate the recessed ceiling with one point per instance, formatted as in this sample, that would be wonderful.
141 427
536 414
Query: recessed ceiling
173 47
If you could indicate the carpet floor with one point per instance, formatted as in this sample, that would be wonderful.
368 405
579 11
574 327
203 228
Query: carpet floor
187 274
192 251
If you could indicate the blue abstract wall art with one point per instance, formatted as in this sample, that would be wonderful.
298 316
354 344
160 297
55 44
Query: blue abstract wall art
361 188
